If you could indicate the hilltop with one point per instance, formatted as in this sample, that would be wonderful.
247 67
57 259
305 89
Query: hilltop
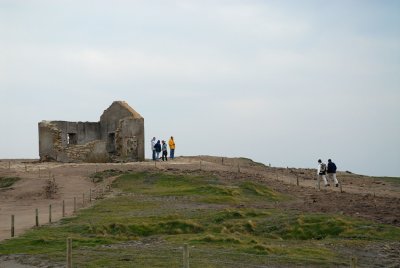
239 196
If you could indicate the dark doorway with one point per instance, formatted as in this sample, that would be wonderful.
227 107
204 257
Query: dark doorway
72 139
111 143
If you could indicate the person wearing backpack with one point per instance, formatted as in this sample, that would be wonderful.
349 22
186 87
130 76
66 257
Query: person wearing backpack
332 172
321 171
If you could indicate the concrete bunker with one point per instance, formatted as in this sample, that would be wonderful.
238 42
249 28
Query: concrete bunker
117 137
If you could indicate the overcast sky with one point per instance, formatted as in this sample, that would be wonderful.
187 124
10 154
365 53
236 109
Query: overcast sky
281 82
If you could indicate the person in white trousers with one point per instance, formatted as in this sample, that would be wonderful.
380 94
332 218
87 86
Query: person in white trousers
321 171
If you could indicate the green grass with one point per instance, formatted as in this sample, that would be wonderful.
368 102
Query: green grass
6 182
393 180
101 175
156 213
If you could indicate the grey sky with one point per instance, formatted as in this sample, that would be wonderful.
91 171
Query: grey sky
281 82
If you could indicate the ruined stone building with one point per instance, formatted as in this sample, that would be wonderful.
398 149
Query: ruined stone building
118 136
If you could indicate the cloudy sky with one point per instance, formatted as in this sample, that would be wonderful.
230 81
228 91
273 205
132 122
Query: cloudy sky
281 82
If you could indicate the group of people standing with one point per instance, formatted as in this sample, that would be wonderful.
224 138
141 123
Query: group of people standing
330 169
157 147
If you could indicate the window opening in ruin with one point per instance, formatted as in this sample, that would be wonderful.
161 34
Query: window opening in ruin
111 142
72 139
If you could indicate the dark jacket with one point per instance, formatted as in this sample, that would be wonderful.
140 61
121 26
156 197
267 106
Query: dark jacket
331 167
157 147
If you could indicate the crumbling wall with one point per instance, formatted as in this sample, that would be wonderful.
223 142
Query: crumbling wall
130 139
93 151
50 142
118 136
54 142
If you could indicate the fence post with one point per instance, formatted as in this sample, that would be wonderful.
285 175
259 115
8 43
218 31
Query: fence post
297 180
185 256
319 182
26 169
83 199
74 204
200 164
9 165
238 168
50 213
12 226
37 218
353 263
90 195
69 252
63 209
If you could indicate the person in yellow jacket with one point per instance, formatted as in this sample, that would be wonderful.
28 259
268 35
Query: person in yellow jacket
171 144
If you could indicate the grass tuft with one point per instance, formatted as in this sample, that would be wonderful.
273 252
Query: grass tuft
6 182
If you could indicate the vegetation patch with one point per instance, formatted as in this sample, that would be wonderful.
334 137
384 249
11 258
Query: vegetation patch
6 182
101 175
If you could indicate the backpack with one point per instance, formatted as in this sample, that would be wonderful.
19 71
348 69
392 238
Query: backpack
323 168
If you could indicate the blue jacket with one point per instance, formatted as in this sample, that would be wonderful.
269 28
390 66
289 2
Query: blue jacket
157 147
331 167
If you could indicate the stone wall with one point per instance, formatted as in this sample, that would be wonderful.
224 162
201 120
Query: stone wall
118 136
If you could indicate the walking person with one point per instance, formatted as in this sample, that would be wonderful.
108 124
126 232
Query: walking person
153 149
321 171
171 144
157 148
332 172
164 151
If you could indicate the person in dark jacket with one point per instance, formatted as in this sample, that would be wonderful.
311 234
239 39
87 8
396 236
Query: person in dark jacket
157 148
164 151
331 169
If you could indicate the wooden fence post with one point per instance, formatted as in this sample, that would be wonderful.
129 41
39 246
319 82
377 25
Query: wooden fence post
353 263
185 256
238 168
90 195
69 252
12 226
37 218
83 199
9 165
74 204
63 209
319 182
200 164
50 213
297 180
